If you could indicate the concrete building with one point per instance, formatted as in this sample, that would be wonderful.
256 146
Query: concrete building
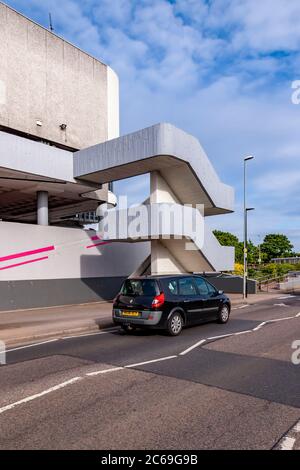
288 260
59 151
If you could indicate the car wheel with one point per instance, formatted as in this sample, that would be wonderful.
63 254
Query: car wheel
175 324
128 328
223 314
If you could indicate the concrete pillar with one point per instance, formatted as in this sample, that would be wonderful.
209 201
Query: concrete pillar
160 190
42 208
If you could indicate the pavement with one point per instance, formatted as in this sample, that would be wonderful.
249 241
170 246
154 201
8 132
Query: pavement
24 326
215 386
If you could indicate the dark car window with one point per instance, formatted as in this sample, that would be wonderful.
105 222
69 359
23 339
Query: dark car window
211 289
172 286
186 286
139 287
202 286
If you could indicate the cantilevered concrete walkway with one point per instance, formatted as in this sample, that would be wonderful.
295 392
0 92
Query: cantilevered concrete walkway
180 174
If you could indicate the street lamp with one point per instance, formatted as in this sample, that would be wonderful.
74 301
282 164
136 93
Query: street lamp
246 159
259 250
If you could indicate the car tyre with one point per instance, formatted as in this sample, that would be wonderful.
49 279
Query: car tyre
175 324
223 314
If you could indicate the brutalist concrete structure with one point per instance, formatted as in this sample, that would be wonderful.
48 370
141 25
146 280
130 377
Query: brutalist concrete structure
59 150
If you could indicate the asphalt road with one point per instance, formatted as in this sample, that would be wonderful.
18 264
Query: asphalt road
200 391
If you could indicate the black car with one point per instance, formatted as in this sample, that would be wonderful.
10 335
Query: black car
169 303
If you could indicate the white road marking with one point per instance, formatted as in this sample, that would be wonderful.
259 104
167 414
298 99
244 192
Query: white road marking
41 394
280 319
104 332
32 345
244 306
281 305
149 362
192 347
258 327
243 332
287 443
237 333
296 428
104 371
219 337
286 297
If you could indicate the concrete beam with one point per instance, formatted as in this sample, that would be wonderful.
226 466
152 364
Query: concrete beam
177 155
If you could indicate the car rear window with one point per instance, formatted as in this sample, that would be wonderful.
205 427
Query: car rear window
172 286
140 287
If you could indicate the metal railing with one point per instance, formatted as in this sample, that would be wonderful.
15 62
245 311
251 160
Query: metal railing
265 283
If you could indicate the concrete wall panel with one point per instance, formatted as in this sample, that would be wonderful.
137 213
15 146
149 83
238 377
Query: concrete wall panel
48 293
32 252
45 78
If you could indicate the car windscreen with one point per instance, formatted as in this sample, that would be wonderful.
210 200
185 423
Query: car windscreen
140 287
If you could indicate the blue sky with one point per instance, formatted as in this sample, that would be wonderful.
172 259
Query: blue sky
220 69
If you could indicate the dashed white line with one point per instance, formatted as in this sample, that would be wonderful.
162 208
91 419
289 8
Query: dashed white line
32 345
104 371
104 332
237 333
76 379
258 327
219 337
286 297
183 353
285 444
242 332
281 319
240 306
150 362
41 394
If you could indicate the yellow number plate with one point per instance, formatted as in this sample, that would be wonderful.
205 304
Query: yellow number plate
130 314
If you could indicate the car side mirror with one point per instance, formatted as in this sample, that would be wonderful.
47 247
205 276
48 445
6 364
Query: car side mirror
220 292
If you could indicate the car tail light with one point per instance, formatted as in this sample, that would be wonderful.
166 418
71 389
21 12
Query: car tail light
158 300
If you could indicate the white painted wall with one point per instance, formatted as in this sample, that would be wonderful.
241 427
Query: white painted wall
70 259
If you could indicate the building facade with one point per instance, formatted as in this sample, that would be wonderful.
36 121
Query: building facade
59 152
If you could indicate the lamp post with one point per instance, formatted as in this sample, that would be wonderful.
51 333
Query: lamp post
246 265
246 159
259 251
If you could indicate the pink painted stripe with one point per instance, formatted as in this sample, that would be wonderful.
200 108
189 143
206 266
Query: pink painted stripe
97 244
27 253
24 262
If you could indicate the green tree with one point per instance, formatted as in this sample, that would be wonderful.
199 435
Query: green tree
276 245
253 253
228 239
